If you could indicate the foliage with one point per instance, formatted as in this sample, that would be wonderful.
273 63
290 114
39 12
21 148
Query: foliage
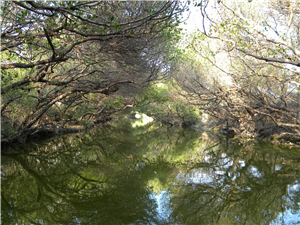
157 93
59 53
242 66
162 101
114 103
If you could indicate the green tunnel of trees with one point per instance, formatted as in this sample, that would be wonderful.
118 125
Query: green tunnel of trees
68 64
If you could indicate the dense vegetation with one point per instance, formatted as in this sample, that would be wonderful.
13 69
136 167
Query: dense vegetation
242 67
62 61
69 65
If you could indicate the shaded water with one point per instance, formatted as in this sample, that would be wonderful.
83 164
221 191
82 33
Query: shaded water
149 175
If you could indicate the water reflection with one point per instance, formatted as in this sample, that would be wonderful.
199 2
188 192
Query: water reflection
149 175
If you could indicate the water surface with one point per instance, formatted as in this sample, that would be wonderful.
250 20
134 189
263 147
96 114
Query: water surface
117 174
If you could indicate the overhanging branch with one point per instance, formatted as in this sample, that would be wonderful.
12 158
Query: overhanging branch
269 59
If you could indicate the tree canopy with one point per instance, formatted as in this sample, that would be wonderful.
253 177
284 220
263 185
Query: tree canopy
67 65
61 61
244 66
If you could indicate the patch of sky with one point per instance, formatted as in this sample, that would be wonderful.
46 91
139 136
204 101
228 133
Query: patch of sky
163 209
197 176
254 172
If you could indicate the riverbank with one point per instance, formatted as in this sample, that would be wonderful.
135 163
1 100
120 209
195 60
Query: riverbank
50 130
278 135
274 135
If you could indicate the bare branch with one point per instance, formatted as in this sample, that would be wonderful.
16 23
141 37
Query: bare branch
269 59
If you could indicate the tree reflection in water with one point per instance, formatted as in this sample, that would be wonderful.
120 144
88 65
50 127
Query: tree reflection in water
149 175
249 184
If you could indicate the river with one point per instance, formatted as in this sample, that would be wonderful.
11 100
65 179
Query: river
154 174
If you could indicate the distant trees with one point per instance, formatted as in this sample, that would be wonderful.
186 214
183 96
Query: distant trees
61 60
244 66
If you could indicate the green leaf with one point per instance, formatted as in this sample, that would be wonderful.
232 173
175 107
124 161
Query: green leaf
117 26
